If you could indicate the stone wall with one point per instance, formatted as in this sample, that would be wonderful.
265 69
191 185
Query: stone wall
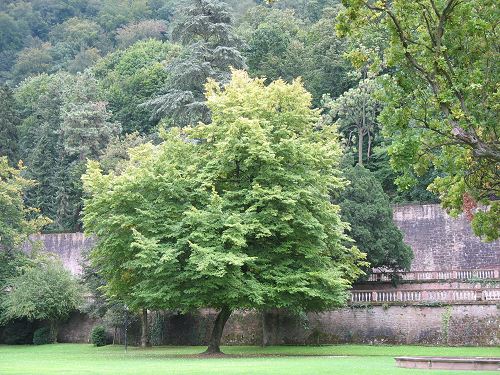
468 324
440 242
451 325
68 246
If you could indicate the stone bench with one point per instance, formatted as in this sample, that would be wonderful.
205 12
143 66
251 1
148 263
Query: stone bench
449 363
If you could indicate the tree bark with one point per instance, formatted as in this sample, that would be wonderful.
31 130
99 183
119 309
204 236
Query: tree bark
220 322
145 329
360 146
53 331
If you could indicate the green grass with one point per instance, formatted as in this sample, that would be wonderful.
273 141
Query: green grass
289 360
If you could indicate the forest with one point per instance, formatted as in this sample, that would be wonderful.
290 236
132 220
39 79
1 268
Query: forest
106 104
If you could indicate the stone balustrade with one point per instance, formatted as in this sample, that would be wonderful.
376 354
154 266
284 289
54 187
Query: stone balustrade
426 296
482 274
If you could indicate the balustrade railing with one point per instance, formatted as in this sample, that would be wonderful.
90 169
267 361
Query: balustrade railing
490 274
440 295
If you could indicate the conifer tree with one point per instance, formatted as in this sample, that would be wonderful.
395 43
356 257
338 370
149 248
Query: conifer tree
367 209
9 121
210 49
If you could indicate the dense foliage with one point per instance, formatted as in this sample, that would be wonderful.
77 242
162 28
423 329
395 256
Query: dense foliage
367 208
244 218
42 336
98 336
16 220
211 192
42 290
210 49
441 103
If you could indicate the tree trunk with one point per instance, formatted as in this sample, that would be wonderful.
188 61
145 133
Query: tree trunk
220 322
144 329
360 146
53 331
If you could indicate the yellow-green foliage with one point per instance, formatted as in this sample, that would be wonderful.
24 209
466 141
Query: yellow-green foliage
234 214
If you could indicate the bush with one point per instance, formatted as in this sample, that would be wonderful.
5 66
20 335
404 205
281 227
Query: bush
43 336
18 332
98 336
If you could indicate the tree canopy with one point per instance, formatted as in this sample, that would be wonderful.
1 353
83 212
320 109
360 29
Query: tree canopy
243 218
43 290
441 102
367 209
211 49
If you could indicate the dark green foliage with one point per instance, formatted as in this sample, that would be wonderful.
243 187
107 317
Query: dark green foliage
98 336
210 49
18 332
43 336
65 121
279 44
130 77
367 208
9 121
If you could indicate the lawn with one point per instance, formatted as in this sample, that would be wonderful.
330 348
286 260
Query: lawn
335 359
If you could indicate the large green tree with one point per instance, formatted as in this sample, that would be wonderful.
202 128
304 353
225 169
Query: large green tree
210 49
442 99
239 216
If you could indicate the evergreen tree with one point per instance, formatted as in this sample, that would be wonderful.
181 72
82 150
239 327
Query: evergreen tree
85 127
40 99
9 121
210 49
367 208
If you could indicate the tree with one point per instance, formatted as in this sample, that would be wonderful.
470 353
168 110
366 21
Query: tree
274 46
366 207
32 61
129 77
44 290
210 49
143 30
244 218
356 113
9 121
15 221
65 121
115 13
85 124
441 103
74 35
40 99
279 44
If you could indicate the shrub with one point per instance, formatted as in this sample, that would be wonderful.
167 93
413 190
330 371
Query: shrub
98 336
43 336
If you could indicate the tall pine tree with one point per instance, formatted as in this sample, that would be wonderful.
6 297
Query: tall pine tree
210 50
9 120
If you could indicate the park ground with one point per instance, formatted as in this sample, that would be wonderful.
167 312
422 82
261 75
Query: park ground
84 359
